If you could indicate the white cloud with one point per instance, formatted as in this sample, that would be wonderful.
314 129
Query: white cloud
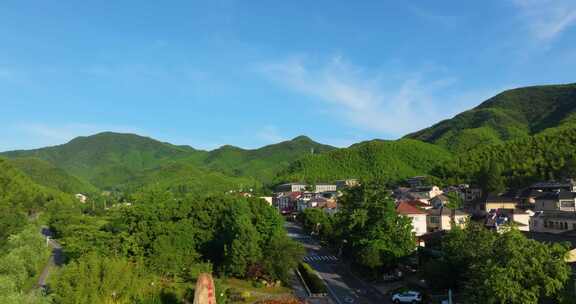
547 19
359 97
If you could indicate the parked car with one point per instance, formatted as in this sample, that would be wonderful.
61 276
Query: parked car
407 297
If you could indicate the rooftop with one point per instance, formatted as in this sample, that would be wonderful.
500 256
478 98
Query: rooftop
408 208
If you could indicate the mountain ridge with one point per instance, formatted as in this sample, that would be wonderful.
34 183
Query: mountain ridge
511 114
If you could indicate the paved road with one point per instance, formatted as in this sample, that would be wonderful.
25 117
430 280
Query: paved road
343 287
56 258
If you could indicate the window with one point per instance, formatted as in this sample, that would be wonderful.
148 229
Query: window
546 224
435 220
567 204
565 226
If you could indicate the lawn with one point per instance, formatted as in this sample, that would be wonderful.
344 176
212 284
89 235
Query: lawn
253 293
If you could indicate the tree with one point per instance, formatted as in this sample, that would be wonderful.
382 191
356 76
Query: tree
376 235
101 280
519 270
500 267
490 178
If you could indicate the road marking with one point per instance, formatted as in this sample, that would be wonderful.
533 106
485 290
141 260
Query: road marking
320 258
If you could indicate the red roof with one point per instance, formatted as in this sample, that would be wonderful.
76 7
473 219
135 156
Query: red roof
408 208
419 204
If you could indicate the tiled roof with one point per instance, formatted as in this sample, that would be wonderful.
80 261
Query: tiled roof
408 208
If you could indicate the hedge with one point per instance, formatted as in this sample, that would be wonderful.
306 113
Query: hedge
312 279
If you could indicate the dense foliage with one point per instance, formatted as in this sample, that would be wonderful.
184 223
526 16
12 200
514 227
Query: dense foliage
492 267
549 155
21 259
175 239
509 115
389 161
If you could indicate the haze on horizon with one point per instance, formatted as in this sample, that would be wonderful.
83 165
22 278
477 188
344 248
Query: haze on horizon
246 74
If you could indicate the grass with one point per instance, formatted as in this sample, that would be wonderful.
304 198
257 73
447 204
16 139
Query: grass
253 294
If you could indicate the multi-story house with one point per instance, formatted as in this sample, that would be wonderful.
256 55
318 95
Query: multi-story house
502 219
427 192
500 201
555 212
556 201
291 187
417 215
444 218
286 202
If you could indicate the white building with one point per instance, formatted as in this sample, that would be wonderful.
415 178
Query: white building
291 187
81 197
319 188
417 216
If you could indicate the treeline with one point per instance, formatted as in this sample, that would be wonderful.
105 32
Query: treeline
167 241
388 161
547 156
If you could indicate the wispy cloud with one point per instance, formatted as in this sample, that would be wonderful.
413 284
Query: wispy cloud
547 19
433 17
359 97
270 134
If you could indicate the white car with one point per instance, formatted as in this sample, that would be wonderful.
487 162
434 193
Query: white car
407 297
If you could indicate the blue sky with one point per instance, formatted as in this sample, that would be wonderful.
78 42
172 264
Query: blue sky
251 73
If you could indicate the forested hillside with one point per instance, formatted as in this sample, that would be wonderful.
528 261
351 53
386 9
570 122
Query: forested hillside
21 199
546 156
46 174
263 163
183 178
389 161
109 160
509 115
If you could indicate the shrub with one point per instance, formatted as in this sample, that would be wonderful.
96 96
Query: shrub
312 279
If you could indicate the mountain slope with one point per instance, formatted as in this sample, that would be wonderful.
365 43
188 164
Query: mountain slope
263 163
108 160
183 178
509 115
390 161
46 174
20 197
549 155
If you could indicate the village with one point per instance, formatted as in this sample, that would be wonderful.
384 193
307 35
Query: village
544 211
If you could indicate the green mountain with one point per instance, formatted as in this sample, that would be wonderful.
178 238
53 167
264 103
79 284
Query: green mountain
549 155
263 163
509 115
46 174
109 160
390 161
